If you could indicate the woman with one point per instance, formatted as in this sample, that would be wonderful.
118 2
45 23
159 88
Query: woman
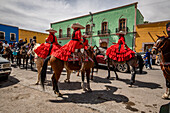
120 51
46 49
75 43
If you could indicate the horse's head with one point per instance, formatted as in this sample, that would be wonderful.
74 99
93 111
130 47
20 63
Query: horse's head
90 51
159 44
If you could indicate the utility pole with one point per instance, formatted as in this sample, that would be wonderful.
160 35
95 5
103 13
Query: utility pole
91 28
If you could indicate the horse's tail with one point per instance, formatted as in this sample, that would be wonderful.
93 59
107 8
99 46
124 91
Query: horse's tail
44 70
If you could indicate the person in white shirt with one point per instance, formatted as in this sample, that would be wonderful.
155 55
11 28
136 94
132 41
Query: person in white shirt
5 45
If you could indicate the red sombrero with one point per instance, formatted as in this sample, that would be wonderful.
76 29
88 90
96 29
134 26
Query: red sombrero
51 30
77 25
121 33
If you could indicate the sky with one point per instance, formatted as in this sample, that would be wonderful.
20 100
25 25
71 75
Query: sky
36 15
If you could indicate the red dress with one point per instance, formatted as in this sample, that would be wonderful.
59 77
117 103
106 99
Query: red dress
43 50
119 53
65 51
85 43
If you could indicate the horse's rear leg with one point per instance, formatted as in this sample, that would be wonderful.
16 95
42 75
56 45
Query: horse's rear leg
114 69
92 74
57 66
167 93
108 67
133 73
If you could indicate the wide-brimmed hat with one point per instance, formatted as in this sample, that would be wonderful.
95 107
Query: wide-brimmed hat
77 25
51 30
120 33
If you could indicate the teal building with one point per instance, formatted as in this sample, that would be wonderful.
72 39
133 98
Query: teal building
102 26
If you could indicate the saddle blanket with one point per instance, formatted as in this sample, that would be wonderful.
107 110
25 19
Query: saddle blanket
70 59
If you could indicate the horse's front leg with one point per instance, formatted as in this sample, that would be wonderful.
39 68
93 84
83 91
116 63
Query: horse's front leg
82 84
88 79
167 93
108 67
133 74
114 69
68 76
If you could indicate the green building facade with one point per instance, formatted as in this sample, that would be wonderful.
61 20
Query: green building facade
102 26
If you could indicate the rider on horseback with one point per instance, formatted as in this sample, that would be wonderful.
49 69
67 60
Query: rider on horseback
45 49
75 43
120 51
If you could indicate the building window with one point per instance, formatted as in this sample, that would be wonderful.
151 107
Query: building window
68 32
2 35
104 28
60 33
88 29
12 37
122 25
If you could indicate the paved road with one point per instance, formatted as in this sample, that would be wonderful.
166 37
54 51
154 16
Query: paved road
19 94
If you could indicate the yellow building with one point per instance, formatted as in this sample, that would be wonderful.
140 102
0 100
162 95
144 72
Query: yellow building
146 34
40 37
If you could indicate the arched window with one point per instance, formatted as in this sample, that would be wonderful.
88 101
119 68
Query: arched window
60 33
122 24
88 29
68 32
104 27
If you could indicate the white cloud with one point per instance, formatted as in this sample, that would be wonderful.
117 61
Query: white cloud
38 14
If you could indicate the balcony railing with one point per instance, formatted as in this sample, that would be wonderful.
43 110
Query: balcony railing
104 32
64 36
125 29
87 33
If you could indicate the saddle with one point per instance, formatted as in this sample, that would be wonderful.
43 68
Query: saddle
78 55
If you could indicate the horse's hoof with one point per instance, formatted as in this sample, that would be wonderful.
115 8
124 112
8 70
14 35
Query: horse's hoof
165 96
36 83
59 94
89 90
108 77
117 78
130 85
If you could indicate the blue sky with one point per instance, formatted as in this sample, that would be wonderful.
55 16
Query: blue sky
37 15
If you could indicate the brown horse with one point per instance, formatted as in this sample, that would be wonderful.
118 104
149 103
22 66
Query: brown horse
162 46
58 65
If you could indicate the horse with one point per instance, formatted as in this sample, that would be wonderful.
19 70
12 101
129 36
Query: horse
162 46
92 69
7 53
58 65
133 63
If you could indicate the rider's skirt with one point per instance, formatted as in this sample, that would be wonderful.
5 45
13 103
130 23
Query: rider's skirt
65 51
43 50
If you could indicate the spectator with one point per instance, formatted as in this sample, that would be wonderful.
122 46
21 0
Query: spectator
5 45
21 43
147 59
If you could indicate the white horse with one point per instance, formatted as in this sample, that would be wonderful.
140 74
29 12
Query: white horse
38 61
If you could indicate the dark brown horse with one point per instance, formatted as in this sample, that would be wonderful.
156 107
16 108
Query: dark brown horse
162 46
58 65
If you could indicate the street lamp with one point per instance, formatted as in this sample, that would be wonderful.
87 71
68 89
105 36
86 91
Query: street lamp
91 27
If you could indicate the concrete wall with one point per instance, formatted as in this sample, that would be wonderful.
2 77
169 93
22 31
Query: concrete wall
40 37
9 29
143 37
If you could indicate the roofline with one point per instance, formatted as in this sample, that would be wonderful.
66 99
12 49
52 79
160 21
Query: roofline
9 25
33 31
153 22
96 12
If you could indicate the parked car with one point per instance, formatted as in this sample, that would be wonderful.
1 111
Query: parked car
5 68
101 59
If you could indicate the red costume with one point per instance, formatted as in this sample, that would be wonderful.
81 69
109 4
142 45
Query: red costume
75 43
43 50
118 52
85 43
